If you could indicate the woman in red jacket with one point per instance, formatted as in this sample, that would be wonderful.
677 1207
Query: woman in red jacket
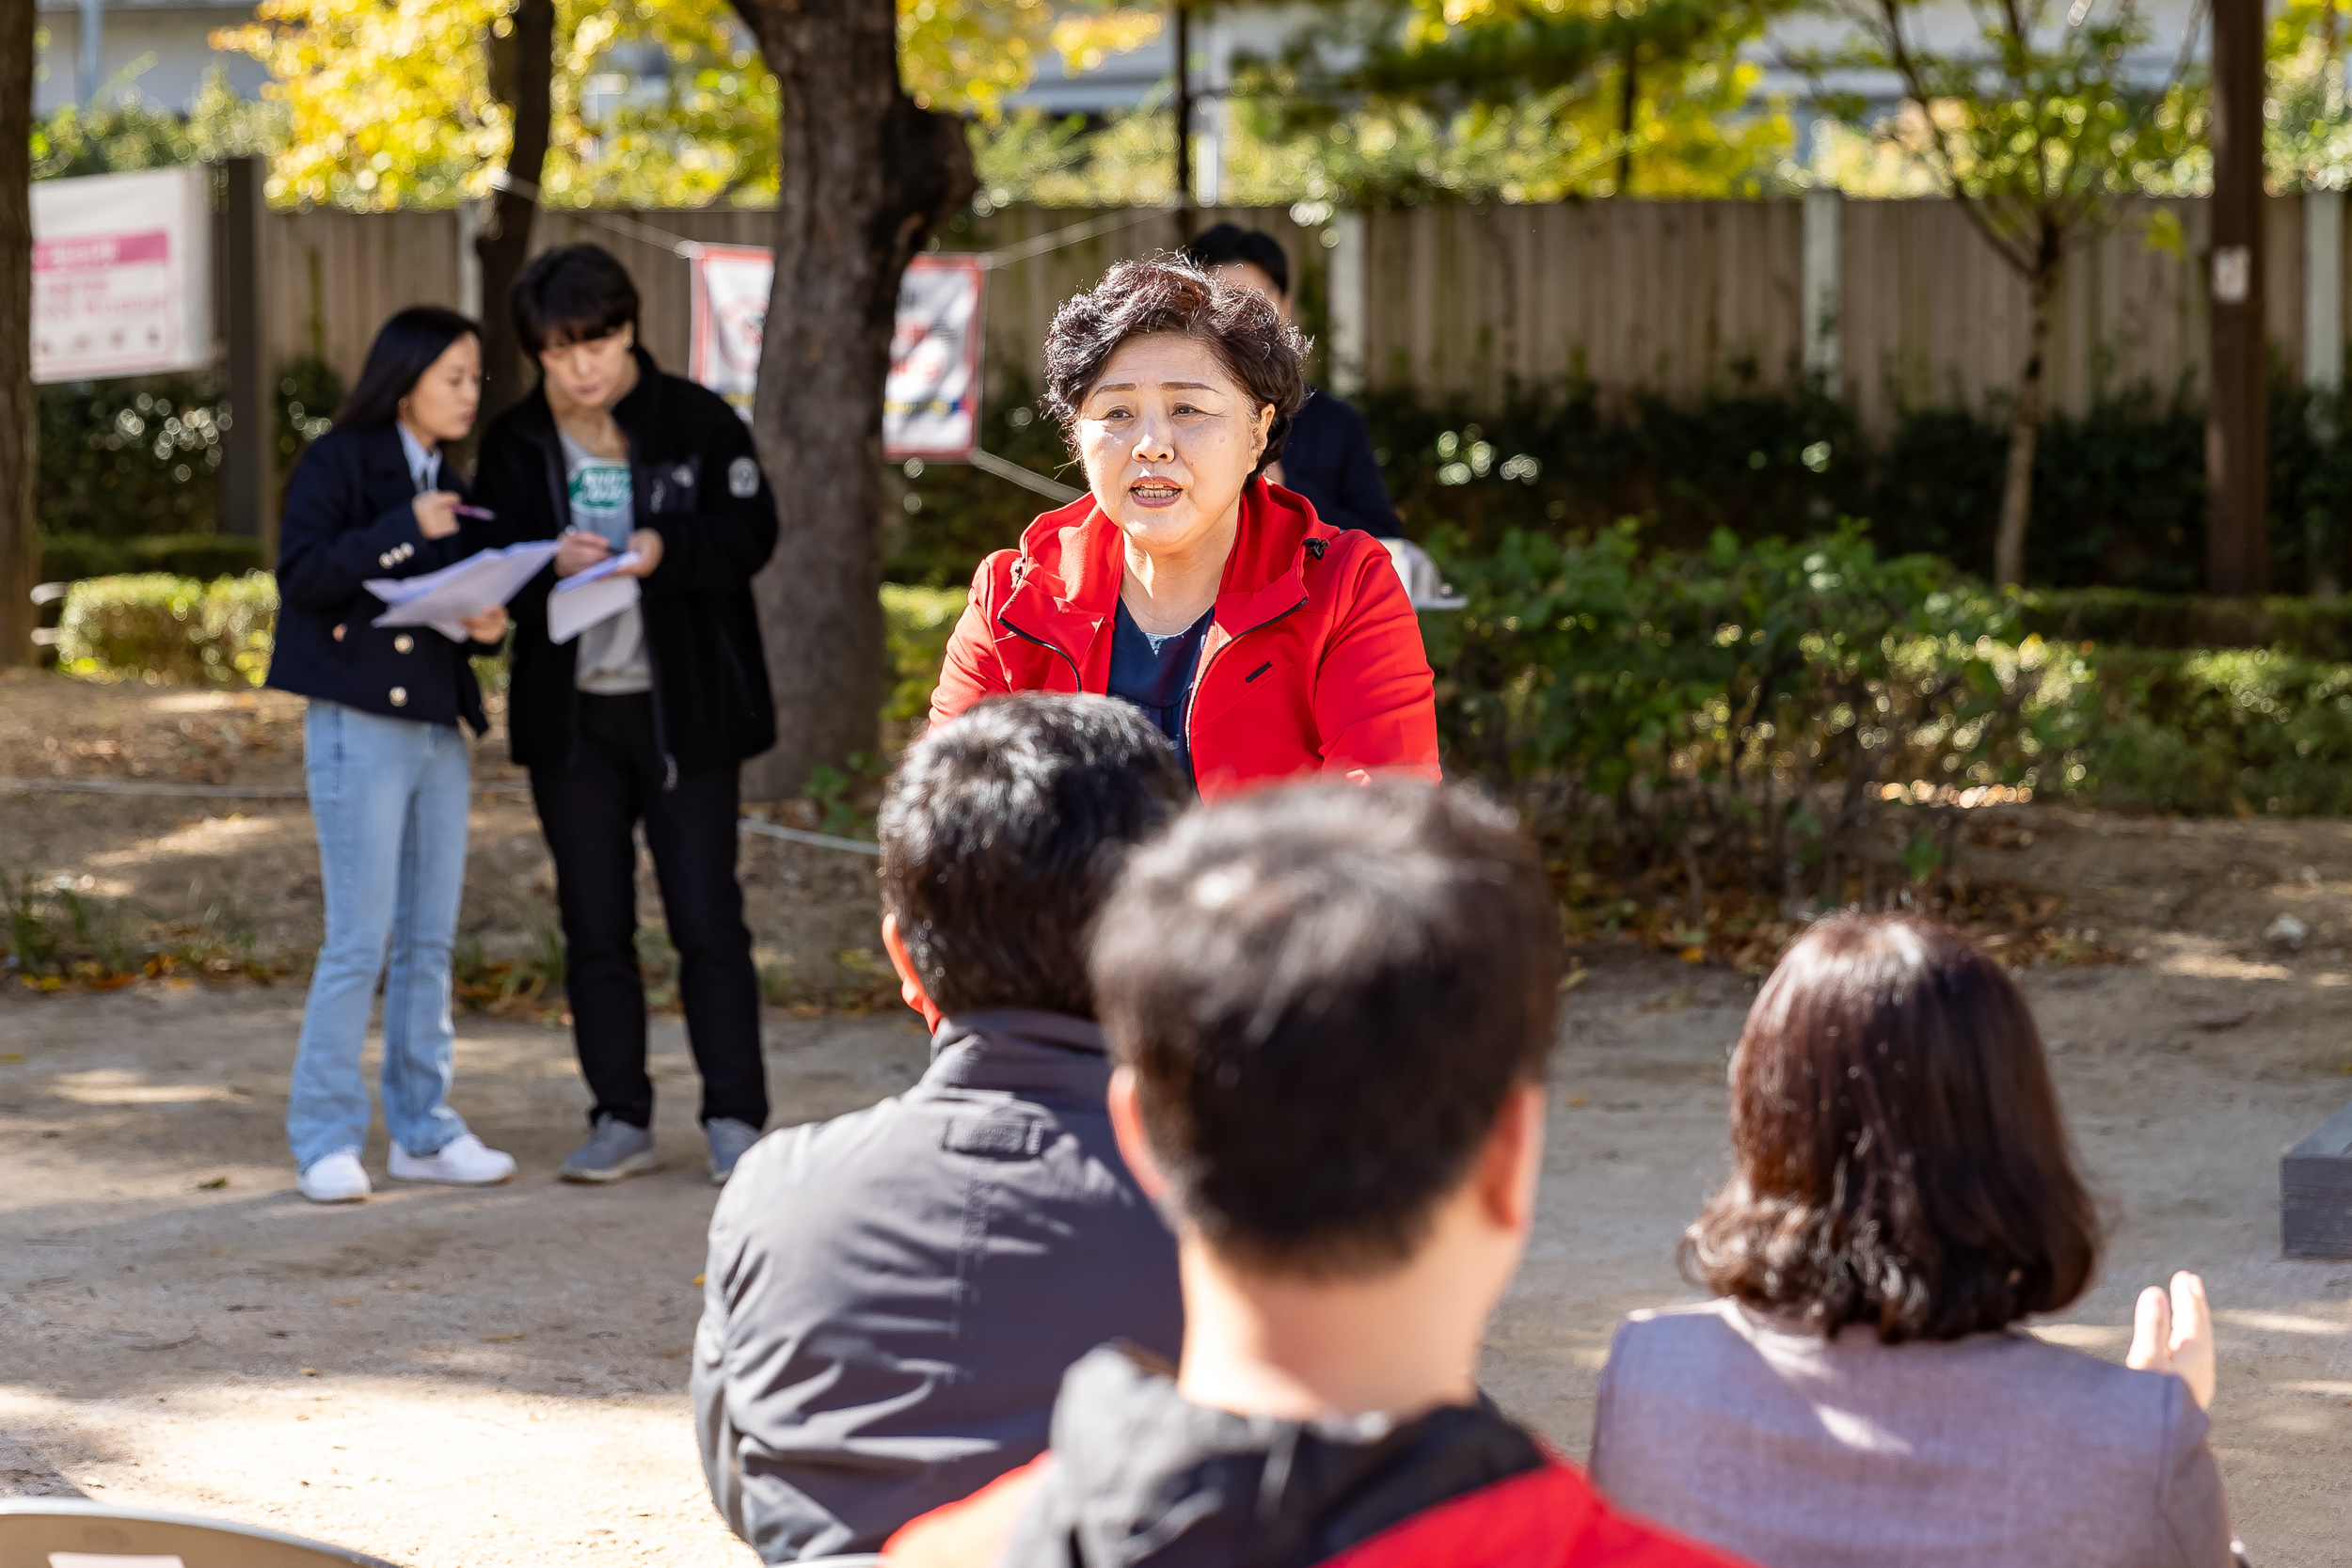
1263 643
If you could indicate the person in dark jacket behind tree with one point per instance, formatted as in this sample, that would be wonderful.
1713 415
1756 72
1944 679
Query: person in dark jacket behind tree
646 715
386 767
1329 1009
893 1295
1327 457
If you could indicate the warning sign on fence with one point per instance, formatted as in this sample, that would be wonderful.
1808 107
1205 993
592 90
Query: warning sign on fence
122 275
731 287
932 402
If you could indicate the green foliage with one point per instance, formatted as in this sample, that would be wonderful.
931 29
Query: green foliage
916 622
2128 618
1758 700
160 628
2038 122
68 557
127 134
2215 731
123 462
120 459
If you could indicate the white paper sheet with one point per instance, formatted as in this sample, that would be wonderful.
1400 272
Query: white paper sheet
584 599
444 599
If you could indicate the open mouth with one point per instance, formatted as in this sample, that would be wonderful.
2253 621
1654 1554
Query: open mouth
1154 492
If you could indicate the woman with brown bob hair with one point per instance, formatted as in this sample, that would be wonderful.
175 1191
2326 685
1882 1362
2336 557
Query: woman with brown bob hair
1262 641
1903 1196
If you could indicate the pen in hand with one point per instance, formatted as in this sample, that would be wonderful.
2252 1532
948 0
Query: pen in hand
481 512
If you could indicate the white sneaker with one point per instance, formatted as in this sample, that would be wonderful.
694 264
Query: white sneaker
337 1178
463 1161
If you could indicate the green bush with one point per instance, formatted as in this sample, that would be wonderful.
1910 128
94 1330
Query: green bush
206 556
1753 703
161 628
127 460
2215 731
917 622
2313 628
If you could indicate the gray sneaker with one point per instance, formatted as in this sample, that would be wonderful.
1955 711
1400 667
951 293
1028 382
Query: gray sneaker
729 1139
613 1151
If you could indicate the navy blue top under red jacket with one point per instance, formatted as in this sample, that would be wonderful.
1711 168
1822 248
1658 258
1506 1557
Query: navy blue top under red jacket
349 517
696 482
1327 458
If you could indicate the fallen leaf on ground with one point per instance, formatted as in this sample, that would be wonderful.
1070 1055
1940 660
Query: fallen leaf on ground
696 1280
499 1338
215 1184
1576 1102
310 1372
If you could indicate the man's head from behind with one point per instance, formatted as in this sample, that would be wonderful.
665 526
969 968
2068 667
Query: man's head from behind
1331 1007
1001 835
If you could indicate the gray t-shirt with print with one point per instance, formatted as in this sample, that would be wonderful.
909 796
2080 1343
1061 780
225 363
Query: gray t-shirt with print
611 659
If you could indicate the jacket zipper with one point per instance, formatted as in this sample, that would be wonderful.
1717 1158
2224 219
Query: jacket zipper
1050 647
1200 678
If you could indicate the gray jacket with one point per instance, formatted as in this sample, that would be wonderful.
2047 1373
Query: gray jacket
1998 1450
893 1295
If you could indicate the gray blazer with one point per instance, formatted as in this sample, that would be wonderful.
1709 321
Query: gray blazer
1998 1450
893 1295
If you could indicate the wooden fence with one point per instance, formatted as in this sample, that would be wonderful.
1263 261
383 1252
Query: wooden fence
1668 297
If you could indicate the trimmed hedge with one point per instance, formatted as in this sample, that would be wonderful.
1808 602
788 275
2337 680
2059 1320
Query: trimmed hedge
2306 628
160 628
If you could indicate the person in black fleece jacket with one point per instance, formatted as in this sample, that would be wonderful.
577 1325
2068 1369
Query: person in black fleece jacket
647 715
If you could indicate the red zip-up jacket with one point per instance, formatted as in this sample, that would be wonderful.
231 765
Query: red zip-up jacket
1312 663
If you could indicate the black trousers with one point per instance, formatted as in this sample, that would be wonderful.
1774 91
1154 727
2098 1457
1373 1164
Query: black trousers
587 812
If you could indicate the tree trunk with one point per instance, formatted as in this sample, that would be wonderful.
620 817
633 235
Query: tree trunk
19 550
522 77
2009 542
864 175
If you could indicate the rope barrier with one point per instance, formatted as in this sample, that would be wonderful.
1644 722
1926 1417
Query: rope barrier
296 792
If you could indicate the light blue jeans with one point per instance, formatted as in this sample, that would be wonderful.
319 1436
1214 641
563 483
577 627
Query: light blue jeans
390 797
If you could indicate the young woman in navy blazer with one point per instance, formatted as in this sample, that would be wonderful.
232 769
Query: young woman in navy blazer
387 765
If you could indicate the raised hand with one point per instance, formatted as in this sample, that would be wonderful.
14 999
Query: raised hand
2174 1333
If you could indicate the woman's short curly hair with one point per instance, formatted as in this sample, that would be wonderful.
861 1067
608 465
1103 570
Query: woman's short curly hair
1266 355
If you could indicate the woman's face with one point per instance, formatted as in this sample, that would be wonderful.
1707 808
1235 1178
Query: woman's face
589 375
443 402
1168 439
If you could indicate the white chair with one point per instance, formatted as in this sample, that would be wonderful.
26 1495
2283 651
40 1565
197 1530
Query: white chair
73 1532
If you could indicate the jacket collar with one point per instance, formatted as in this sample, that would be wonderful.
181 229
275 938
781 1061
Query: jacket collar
641 406
1131 1454
1073 560
1020 1050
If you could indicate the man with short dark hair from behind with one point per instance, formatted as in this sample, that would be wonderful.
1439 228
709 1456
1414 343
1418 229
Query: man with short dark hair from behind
1330 1008
893 1295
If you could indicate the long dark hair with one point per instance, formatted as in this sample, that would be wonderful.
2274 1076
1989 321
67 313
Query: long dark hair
1899 1158
405 348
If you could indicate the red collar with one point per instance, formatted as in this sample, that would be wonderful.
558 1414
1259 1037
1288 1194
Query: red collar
1073 561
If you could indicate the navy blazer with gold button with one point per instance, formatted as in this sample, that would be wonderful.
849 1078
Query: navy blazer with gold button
349 517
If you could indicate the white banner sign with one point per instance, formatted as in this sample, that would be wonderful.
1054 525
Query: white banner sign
122 274
930 403
731 288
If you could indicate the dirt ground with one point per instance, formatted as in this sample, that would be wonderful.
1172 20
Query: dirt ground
480 1378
